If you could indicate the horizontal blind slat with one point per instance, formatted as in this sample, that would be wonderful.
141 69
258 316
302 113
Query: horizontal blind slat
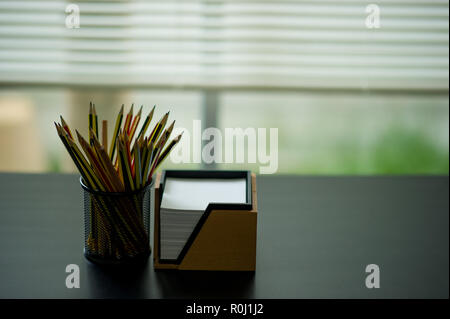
238 40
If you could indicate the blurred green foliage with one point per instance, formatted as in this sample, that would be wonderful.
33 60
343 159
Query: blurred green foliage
401 151
397 150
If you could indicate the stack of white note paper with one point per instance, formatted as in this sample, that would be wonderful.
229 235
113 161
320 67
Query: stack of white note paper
183 203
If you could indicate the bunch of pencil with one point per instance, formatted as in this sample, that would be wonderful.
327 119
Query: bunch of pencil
116 223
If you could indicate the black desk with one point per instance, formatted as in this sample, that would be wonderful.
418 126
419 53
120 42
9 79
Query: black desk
315 237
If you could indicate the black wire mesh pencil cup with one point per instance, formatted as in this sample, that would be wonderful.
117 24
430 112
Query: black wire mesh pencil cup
117 226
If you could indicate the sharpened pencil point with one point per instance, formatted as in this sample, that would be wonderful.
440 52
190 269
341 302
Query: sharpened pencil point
80 138
131 159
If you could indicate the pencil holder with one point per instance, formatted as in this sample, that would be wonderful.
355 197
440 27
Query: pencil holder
116 226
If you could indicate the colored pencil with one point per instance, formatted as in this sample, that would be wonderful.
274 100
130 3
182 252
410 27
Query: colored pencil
112 148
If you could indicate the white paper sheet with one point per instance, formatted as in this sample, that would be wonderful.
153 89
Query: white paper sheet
196 193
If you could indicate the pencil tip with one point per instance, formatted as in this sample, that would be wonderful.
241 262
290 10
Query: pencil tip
152 111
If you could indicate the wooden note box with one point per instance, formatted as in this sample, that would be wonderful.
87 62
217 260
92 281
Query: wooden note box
225 236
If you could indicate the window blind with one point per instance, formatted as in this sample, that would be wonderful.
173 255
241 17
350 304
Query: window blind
227 44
